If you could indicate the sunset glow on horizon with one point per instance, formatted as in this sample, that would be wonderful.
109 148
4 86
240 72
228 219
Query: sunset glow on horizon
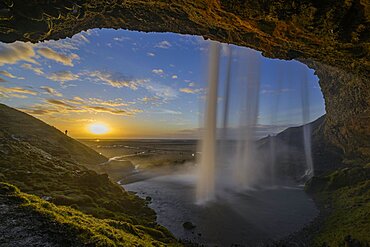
142 85
98 128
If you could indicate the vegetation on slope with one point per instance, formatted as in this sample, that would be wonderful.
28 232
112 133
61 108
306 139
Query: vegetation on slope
29 160
37 172
345 197
79 228
43 136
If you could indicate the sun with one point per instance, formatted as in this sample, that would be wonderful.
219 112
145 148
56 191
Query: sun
98 128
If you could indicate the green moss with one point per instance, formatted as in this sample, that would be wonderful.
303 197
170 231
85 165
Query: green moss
67 184
346 193
87 229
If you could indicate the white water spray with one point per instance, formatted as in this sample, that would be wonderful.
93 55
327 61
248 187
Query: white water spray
206 180
233 160
247 171
306 127
274 109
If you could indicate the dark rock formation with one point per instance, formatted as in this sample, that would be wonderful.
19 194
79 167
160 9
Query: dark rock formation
290 155
330 36
188 225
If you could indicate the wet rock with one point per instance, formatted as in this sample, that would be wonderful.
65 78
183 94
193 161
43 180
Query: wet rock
188 225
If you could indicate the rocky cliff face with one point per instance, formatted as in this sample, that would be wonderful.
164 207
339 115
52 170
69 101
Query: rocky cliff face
330 36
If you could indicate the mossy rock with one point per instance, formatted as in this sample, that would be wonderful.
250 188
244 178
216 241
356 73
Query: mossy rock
8 189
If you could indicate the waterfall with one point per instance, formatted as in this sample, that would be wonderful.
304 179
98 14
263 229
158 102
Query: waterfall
272 160
206 180
227 93
247 170
306 127
274 108
232 160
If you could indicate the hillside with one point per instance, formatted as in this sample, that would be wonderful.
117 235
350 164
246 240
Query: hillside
28 220
30 160
43 136
340 191
289 149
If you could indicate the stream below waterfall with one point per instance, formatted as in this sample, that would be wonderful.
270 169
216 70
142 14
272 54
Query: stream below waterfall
246 218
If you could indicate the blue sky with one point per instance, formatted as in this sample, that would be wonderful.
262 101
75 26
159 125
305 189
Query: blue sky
142 85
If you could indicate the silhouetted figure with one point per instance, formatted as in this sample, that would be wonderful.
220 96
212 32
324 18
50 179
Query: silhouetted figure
66 132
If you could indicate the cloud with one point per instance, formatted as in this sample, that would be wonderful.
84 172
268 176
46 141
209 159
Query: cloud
34 69
150 54
68 44
16 92
60 103
174 77
112 103
163 44
112 110
168 111
58 57
81 38
121 38
77 104
164 92
63 76
117 79
153 99
15 52
2 80
8 74
51 91
158 71
275 91
190 90
76 100
39 110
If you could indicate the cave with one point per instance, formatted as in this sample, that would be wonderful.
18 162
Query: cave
331 37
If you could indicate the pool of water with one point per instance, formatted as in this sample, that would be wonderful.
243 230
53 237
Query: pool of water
247 218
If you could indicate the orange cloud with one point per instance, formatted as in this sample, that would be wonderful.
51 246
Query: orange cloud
58 57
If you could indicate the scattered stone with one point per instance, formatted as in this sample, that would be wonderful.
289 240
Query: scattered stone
47 198
188 225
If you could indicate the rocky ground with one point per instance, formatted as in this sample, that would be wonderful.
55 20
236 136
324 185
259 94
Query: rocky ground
21 228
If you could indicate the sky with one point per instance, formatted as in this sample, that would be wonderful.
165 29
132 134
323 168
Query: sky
143 85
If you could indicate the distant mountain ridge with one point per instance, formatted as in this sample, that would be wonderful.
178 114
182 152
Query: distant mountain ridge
290 157
41 135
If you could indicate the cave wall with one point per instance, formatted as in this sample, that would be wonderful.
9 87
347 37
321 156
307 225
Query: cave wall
329 36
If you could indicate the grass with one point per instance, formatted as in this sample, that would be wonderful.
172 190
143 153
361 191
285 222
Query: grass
43 136
42 161
86 229
66 184
345 193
